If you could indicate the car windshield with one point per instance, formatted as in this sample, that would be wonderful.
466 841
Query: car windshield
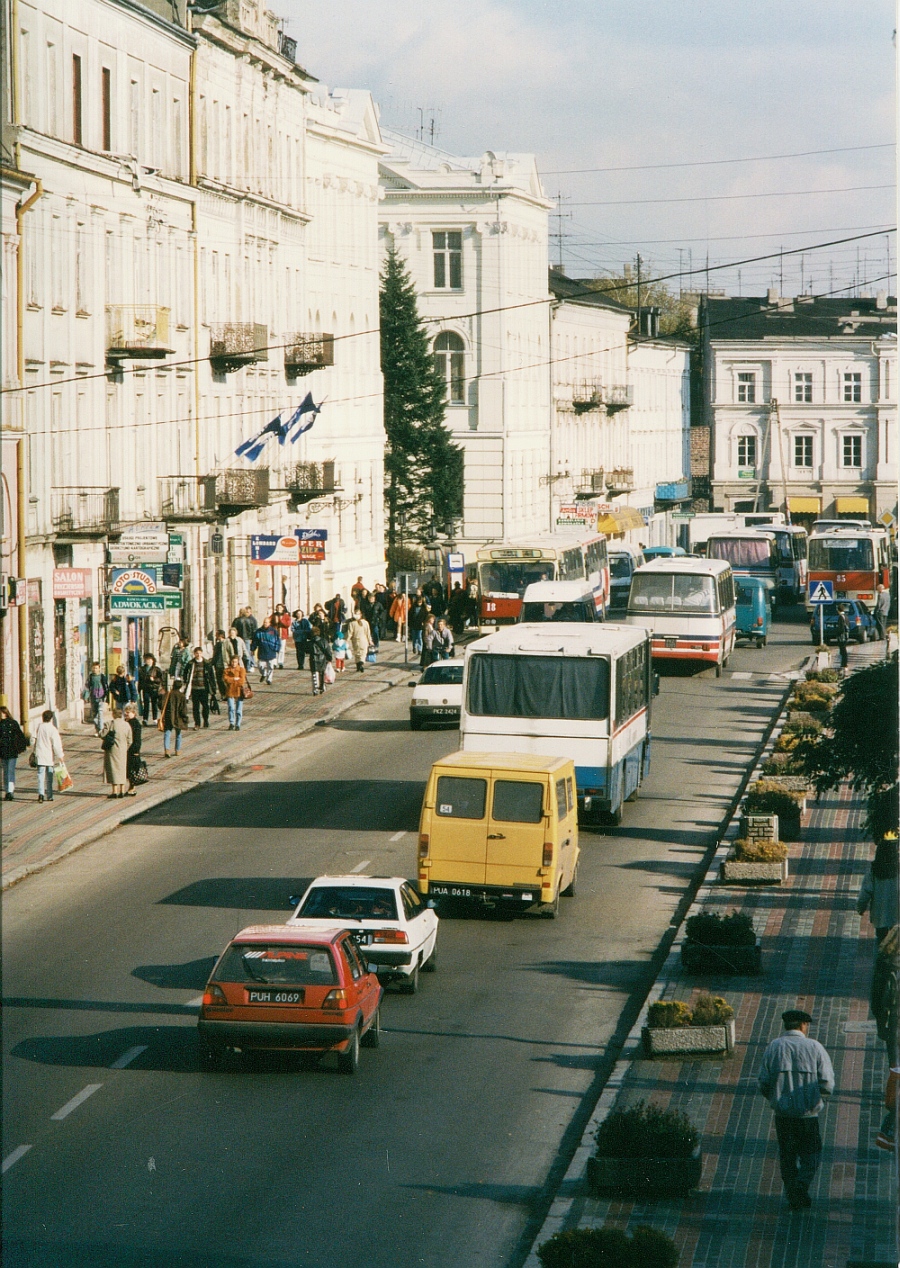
555 612
672 592
538 686
442 675
840 554
349 902
741 552
291 965
514 578
620 566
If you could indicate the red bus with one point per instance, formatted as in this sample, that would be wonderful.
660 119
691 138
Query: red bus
854 560
505 571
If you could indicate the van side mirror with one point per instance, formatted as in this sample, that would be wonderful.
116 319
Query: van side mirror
293 899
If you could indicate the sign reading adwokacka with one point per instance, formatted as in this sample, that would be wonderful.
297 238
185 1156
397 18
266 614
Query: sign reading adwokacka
144 604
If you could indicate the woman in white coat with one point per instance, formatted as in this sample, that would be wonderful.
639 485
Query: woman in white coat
117 739
359 640
48 753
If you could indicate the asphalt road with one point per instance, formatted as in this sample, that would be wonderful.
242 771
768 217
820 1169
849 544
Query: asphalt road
444 1148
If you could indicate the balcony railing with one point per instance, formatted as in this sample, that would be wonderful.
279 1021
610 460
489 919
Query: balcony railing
309 480
621 480
230 492
137 331
85 511
182 498
305 353
592 482
586 396
617 396
233 344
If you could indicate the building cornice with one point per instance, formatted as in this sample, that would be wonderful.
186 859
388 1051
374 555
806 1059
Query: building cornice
238 44
231 194
147 15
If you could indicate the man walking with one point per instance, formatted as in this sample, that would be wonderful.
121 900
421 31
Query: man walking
796 1074
843 633
246 625
96 691
150 685
882 609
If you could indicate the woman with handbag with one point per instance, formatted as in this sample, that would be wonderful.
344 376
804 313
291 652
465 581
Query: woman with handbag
236 692
116 743
318 649
359 640
48 751
12 745
136 766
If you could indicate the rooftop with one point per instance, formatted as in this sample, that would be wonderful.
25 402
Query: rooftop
414 164
805 316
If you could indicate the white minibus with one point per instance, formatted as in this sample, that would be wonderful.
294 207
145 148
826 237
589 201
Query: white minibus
687 604
559 601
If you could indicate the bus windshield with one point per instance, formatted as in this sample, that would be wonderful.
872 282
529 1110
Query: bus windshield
841 554
657 592
511 578
538 686
741 552
620 566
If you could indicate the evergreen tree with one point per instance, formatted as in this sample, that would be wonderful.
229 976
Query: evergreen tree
423 468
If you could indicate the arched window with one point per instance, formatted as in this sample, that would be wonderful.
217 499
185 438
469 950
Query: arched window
450 363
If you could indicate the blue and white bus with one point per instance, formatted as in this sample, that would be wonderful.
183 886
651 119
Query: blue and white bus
563 690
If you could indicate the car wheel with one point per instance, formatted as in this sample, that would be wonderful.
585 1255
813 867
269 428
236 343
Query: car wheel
212 1057
551 910
410 985
763 641
430 965
372 1037
348 1062
569 891
415 724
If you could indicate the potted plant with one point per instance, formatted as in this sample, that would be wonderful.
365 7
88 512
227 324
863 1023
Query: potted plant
645 1151
755 862
720 944
609 1248
675 1028
823 675
771 797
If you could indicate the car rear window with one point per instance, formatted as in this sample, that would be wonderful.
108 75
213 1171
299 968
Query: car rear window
350 902
442 675
292 965
460 798
518 801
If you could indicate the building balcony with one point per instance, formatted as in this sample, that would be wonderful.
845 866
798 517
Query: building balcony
621 480
674 491
233 344
230 492
591 483
304 353
182 498
311 480
138 332
586 396
82 511
617 396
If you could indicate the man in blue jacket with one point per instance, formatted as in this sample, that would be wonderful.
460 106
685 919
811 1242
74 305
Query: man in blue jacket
266 644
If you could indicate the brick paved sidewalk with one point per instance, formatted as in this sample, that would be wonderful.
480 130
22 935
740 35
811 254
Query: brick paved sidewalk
817 955
35 835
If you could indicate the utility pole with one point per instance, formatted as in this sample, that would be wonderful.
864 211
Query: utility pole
681 272
639 263
559 216
773 406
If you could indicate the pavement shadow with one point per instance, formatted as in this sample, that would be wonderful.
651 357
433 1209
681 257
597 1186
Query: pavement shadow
169 1049
620 974
34 1252
508 1194
191 976
251 893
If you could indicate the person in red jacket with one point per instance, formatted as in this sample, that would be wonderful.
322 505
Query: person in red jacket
281 620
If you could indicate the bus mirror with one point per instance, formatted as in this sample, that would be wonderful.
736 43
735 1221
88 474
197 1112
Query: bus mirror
656 684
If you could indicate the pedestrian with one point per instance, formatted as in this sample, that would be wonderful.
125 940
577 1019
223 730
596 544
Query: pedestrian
883 996
135 764
339 648
150 687
456 609
281 621
245 625
265 644
122 688
796 1074
882 609
429 632
235 690
336 611
318 650
300 628
843 633
200 687
359 640
442 643
12 745
240 647
48 753
399 613
356 589
173 718
370 611
879 894
223 650
96 692
116 741
418 615
180 659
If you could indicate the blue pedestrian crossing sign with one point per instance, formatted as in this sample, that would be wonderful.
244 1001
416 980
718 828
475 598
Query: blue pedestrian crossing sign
821 592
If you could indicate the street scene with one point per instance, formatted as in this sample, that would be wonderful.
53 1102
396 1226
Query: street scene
448 642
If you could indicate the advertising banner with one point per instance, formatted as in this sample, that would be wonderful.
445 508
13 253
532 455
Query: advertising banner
312 544
133 581
71 583
141 544
144 604
267 548
576 515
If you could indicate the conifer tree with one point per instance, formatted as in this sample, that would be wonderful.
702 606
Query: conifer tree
423 468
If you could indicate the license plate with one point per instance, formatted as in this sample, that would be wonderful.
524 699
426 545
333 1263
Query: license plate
450 891
443 711
274 997
670 642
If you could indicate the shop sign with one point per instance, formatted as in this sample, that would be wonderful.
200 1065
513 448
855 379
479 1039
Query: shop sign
268 548
141 544
172 576
578 515
133 581
144 604
746 473
71 583
312 544
17 591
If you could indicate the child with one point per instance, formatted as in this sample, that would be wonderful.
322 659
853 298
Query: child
340 650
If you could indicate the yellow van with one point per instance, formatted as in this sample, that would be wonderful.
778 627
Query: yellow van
500 828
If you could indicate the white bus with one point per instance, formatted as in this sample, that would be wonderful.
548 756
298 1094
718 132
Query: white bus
687 604
564 690
505 571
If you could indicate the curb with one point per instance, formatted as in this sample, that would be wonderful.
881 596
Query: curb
177 789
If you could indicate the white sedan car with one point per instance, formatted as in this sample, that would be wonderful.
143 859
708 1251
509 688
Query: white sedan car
437 696
397 927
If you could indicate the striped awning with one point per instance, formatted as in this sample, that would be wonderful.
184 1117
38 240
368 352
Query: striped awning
614 523
805 506
851 506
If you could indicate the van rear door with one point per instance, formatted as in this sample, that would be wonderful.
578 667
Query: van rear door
459 828
515 829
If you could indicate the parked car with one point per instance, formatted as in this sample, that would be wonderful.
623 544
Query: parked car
394 927
303 989
437 695
861 621
751 607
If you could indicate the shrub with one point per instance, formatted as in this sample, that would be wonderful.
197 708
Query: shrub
801 724
651 1248
815 705
712 1010
823 675
759 851
711 929
816 690
646 1131
609 1248
787 741
668 1014
767 798
782 764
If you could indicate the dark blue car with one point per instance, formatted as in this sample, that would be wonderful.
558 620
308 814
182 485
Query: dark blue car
859 618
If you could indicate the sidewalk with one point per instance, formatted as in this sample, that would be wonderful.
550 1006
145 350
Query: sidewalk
817 955
36 835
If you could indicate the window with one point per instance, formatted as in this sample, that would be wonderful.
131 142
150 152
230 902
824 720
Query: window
352 962
851 451
177 137
518 801
412 902
77 112
134 117
746 386
350 902
538 687
277 965
852 391
447 247
672 592
803 389
561 799
459 798
157 137
746 451
742 552
106 109
631 683
840 554
450 363
803 451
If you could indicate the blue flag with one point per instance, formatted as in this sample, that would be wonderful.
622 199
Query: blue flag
251 449
306 406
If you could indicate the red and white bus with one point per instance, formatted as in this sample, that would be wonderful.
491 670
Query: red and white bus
687 604
854 560
505 571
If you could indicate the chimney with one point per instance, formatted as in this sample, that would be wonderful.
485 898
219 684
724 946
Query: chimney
650 322
881 299
772 296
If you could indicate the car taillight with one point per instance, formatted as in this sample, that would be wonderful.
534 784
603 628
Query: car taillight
335 1001
547 859
856 620
423 845
214 995
389 935
759 620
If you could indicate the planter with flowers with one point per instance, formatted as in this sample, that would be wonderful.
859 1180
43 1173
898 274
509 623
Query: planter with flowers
755 862
675 1029
645 1151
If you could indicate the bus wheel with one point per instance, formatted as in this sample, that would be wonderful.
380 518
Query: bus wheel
614 817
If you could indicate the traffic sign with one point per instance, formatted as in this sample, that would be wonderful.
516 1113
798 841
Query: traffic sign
886 518
144 604
821 592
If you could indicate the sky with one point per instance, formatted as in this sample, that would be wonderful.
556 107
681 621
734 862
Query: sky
602 84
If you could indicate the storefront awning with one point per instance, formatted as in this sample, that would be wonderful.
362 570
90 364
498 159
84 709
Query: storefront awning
805 506
851 506
616 522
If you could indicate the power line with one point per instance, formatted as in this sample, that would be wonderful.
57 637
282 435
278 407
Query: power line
762 158
718 198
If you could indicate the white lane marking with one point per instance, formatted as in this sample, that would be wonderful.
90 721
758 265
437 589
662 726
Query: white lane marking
360 867
77 1100
741 674
195 1002
13 1158
397 836
127 1057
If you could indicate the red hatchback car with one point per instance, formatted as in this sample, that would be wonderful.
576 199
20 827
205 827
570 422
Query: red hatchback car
302 989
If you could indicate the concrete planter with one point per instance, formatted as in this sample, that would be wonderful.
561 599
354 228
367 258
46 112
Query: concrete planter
645 1177
696 957
682 1040
758 827
735 872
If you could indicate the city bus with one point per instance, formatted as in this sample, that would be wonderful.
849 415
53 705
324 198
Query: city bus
854 560
752 552
565 690
791 566
504 572
687 604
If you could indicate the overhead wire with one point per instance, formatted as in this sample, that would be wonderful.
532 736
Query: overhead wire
762 158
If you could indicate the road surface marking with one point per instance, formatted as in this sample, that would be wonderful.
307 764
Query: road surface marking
14 1157
360 867
77 1100
127 1057
195 1002
397 836
741 674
